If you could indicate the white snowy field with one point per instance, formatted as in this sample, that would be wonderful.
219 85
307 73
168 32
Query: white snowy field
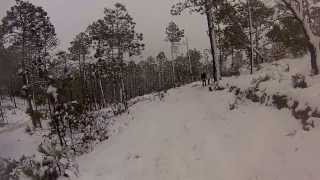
192 134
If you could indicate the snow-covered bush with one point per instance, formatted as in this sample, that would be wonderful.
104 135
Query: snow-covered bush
236 102
303 113
63 120
118 108
264 98
252 95
54 163
216 87
57 161
31 168
79 130
280 101
299 81
92 128
8 169
48 168
259 79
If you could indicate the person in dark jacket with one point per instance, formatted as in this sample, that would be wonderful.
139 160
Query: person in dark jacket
204 79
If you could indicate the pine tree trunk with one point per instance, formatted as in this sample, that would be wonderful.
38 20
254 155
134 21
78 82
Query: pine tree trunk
212 43
12 94
173 65
215 54
25 79
314 52
2 113
102 93
251 38
159 78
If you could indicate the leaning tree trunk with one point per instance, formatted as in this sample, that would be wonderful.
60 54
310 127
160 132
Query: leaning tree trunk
213 44
301 11
314 52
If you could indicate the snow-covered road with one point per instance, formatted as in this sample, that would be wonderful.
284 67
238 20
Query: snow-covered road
192 135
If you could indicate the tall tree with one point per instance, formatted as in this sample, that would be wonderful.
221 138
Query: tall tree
79 49
207 8
115 34
115 37
174 35
161 58
28 28
80 46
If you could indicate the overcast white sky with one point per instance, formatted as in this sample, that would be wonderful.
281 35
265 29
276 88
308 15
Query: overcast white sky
73 16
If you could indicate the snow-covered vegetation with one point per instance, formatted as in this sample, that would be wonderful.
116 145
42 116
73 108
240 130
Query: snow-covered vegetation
200 138
91 112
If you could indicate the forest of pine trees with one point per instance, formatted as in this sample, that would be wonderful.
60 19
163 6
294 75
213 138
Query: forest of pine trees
97 72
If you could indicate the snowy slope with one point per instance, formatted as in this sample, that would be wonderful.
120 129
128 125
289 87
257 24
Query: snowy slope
192 134
14 117
281 80
14 141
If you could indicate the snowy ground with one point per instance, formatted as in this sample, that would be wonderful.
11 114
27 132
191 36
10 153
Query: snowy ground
192 134
14 117
14 141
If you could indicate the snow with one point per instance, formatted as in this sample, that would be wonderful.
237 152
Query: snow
192 134
14 141
281 82
14 118
52 91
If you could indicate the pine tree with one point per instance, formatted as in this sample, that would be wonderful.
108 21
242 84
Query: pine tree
207 8
174 35
28 28
79 49
114 38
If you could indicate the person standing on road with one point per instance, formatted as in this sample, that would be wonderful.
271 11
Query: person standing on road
204 79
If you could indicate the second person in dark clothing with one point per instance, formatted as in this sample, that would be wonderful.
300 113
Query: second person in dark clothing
204 79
